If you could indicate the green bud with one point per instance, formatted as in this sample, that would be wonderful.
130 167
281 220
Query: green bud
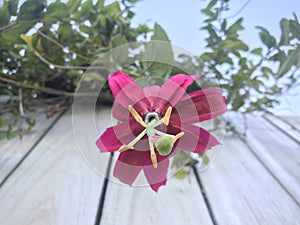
164 145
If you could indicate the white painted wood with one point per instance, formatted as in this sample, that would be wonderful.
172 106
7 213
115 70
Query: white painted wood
288 128
293 121
277 151
12 151
179 202
241 191
54 185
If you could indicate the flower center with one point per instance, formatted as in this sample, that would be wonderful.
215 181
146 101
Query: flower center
151 117
162 141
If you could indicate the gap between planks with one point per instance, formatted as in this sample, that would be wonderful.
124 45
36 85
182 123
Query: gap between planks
12 161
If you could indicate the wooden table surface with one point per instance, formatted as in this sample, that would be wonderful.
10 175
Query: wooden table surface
44 179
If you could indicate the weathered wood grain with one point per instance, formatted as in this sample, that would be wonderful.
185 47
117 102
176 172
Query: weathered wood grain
294 121
180 202
241 191
54 185
278 152
13 151
285 127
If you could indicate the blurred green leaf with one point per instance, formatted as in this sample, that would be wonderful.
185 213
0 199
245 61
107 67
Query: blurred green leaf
266 37
2 135
13 7
4 14
181 173
292 59
295 28
285 32
31 9
257 51
56 11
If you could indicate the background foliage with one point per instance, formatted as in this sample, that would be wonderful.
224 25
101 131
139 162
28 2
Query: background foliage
45 50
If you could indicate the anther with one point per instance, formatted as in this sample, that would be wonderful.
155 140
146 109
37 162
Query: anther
124 148
136 116
167 116
179 135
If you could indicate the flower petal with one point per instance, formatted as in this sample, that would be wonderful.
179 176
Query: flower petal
151 93
114 137
195 139
172 91
125 172
157 177
126 92
199 106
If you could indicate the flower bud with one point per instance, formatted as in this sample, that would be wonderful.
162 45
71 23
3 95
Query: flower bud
164 145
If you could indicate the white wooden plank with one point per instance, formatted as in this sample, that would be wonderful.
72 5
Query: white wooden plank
54 185
285 127
241 191
277 151
293 121
12 151
180 202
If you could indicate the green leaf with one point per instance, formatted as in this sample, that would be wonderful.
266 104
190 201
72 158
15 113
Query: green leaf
158 57
285 32
30 121
99 5
4 14
292 59
13 7
28 41
73 5
181 173
121 53
266 37
2 122
159 34
31 9
295 17
112 8
2 135
232 31
56 11
295 28
257 51
211 4
10 134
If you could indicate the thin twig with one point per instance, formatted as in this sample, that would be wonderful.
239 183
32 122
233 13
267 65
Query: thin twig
45 89
66 67
21 109
240 10
12 24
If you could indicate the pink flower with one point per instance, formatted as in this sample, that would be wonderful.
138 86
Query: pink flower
156 123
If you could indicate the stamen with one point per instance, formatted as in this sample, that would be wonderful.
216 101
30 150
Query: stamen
167 116
124 148
136 116
152 154
133 142
179 135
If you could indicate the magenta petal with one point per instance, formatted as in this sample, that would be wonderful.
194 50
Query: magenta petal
126 173
196 139
157 177
126 92
199 106
172 91
114 137
119 80
151 93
